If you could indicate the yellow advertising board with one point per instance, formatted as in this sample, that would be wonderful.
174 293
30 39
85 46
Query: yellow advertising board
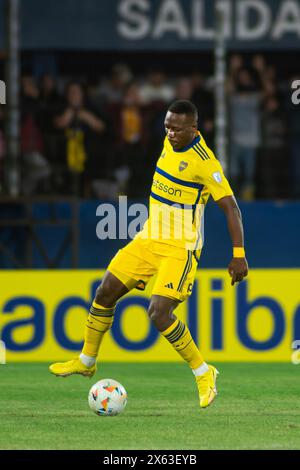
43 314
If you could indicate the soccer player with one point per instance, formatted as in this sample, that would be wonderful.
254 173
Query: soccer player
169 245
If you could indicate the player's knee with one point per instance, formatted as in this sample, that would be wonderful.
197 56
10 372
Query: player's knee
104 295
157 311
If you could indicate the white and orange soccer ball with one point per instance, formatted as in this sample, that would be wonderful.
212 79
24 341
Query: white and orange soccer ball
107 398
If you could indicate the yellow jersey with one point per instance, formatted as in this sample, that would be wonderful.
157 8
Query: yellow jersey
182 183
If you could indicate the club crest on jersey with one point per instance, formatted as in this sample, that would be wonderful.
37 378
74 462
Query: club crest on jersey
217 176
182 166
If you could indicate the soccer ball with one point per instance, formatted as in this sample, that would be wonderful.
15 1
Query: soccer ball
107 398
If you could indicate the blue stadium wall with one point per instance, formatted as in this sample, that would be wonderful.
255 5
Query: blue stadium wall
272 235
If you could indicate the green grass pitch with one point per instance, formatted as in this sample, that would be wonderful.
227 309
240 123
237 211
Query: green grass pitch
257 407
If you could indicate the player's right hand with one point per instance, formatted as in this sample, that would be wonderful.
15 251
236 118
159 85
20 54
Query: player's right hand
238 269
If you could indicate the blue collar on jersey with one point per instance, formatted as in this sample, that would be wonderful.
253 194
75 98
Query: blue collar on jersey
195 141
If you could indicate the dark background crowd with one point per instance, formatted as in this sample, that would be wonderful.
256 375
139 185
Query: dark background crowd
101 137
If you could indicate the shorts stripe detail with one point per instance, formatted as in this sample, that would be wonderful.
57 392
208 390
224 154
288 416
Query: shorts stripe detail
185 272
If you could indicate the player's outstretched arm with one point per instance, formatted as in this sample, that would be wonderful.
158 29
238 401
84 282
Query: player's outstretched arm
238 267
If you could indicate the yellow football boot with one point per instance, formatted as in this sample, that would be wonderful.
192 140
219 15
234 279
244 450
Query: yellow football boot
207 386
75 366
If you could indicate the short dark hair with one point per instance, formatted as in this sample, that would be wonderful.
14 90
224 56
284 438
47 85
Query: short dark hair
184 107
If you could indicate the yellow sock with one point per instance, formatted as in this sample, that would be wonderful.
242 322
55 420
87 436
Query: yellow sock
97 324
180 338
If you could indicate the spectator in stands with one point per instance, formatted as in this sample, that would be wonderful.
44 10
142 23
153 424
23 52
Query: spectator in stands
130 135
111 91
270 89
272 173
29 95
36 169
236 62
73 134
244 102
85 147
204 101
183 89
156 89
93 98
259 68
49 103
270 74
156 93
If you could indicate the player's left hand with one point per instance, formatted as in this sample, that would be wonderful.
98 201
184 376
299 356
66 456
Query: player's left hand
238 269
